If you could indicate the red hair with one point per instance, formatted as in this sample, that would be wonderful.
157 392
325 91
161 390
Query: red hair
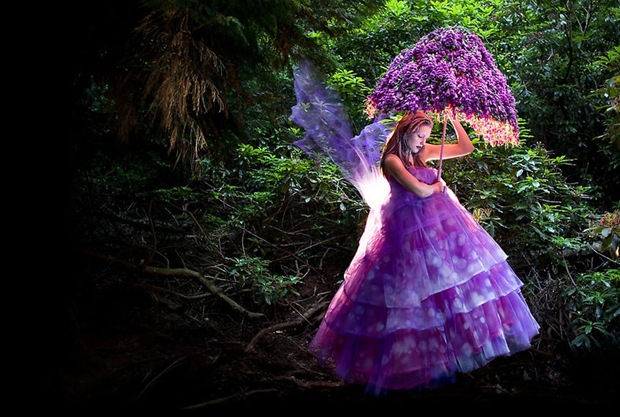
397 144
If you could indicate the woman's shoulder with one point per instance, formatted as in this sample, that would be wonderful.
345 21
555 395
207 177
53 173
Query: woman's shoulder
392 161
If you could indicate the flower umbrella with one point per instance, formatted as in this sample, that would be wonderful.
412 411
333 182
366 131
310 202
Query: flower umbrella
450 70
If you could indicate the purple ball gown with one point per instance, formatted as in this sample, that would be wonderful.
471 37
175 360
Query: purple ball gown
429 292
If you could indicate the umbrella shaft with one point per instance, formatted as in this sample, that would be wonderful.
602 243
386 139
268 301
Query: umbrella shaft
443 139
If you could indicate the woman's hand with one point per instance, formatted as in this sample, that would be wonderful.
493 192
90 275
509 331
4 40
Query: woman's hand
438 187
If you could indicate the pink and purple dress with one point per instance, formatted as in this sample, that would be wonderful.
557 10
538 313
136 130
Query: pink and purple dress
428 294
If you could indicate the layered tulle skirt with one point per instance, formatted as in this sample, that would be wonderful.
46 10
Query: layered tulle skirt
429 293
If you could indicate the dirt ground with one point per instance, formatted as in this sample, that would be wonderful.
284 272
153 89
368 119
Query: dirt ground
115 344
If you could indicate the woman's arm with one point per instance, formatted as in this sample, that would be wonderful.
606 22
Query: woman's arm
451 150
392 165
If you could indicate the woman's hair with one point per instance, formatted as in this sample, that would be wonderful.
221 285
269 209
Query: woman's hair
396 142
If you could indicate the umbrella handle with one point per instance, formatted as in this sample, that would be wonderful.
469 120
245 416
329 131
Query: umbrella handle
443 139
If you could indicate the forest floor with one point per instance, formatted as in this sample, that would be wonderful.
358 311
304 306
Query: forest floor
119 346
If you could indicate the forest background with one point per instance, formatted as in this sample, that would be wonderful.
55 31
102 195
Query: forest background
183 210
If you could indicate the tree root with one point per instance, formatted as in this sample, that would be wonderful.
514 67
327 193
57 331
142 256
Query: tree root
287 325
184 273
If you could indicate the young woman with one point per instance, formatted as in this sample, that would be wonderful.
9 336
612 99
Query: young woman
429 293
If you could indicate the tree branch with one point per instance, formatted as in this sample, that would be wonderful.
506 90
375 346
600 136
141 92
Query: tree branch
181 272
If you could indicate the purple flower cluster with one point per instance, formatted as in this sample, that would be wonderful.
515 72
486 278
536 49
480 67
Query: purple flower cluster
450 69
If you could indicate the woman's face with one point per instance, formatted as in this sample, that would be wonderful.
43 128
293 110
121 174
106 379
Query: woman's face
417 138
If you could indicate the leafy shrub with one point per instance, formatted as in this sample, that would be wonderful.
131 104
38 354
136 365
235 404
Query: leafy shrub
593 300
607 229
265 286
280 215
521 197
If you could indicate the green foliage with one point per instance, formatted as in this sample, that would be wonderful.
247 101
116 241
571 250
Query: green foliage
265 286
352 89
609 92
522 198
265 180
278 204
552 72
594 302
607 229
130 176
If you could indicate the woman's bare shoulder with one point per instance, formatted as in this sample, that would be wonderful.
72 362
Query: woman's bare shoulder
392 161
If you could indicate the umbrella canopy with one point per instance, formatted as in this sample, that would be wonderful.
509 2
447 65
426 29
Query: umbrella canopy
449 69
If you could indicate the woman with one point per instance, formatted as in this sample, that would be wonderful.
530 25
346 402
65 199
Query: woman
407 147
429 293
